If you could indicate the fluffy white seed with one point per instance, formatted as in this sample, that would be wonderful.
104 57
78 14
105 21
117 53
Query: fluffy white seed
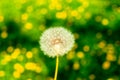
56 41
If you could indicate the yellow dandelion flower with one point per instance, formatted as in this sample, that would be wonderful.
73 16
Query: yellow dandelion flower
2 73
29 54
18 67
30 66
16 74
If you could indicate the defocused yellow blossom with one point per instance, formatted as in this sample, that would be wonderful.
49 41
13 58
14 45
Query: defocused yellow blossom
1 18
38 69
30 66
28 26
16 74
86 48
102 44
74 13
76 66
105 22
2 73
15 54
110 79
70 55
58 7
55 4
6 59
92 77
4 34
61 15
29 79
80 54
111 57
85 4
29 54
10 49
24 16
106 65
19 68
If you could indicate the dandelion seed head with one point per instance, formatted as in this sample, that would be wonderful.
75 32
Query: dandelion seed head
56 41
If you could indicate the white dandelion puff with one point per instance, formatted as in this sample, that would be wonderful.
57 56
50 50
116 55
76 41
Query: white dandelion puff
56 41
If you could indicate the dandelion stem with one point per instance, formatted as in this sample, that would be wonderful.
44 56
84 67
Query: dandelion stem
56 69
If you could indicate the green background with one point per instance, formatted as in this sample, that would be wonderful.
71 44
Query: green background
94 23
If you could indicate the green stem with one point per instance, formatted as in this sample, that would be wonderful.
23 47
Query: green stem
56 69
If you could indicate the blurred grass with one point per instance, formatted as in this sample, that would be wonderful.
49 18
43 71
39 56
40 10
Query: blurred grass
95 25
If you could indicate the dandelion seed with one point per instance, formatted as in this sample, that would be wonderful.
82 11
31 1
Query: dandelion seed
56 41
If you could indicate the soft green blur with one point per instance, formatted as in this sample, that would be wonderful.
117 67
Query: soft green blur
94 23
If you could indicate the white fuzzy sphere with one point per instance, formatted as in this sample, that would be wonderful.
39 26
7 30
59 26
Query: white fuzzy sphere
56 41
